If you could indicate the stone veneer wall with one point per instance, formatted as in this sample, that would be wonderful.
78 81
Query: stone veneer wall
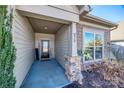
73 69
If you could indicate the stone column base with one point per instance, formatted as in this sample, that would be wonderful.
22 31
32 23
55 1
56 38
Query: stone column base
73 68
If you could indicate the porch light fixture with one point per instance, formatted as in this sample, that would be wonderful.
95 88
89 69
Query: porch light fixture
45 27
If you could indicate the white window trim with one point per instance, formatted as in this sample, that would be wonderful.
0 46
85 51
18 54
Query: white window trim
94 59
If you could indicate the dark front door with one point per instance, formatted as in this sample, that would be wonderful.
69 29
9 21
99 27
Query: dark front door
44 49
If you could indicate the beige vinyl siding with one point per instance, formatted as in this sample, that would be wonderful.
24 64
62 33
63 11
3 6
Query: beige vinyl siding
118 34
69 8
61 45
23 38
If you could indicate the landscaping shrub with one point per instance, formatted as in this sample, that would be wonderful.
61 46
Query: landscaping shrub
7 50
110 71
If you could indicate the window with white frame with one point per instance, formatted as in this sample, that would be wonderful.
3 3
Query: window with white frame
93 46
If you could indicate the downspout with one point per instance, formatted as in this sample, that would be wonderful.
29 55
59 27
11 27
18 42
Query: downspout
115 27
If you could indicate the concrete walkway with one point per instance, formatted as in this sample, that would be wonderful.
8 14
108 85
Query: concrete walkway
45 74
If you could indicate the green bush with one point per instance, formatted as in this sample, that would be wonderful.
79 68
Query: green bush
7 50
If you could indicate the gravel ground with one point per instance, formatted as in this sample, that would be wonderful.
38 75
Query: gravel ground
92 80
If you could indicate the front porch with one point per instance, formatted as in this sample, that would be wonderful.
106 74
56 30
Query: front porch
45 74
37 38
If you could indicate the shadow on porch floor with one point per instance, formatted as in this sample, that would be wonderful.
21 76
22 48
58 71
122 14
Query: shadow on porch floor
45 74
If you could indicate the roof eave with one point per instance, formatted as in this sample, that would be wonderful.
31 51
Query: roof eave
98 20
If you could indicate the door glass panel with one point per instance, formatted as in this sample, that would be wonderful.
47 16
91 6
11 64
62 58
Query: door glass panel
45 49
45 46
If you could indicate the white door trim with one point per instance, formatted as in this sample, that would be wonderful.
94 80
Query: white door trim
39 47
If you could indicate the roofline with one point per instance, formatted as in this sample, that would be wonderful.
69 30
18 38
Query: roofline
119 40
102 21
81 9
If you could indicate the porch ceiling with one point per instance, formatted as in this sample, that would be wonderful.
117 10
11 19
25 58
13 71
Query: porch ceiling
44 26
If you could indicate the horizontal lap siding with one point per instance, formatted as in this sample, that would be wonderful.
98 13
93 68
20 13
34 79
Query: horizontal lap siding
23 37
62 45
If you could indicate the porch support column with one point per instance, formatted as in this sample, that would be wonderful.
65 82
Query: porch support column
73 63
74 39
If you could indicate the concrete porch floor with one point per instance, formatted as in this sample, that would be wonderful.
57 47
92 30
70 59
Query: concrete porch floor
45 74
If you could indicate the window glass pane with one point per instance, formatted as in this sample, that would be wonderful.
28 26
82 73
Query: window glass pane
89 39
88 53
98 39
98 52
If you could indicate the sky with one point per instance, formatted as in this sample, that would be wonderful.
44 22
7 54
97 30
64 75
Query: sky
114 13
88 38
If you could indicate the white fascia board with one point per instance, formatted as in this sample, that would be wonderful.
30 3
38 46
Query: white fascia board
50 12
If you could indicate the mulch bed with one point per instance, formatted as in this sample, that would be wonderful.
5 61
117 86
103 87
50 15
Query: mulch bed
103 75
92 80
